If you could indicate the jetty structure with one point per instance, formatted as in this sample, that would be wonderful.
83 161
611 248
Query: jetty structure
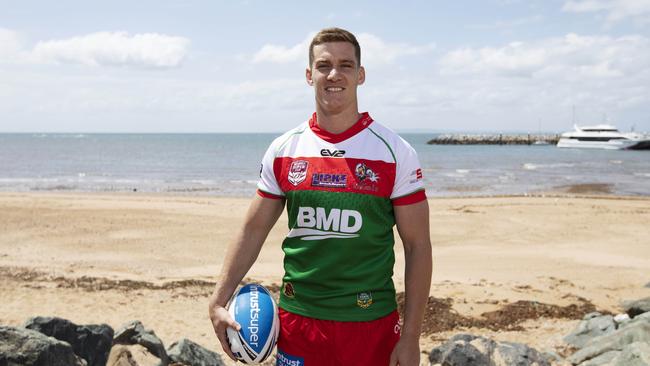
495 139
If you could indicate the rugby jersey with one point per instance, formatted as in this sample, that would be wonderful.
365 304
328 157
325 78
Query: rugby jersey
340 191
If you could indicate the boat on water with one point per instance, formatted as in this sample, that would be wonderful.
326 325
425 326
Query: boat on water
604 137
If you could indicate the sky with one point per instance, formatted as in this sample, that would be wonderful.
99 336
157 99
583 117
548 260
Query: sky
239 66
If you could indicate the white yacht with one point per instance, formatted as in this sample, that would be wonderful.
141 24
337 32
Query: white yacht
603 137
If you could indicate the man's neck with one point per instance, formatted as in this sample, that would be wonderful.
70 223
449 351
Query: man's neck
337 123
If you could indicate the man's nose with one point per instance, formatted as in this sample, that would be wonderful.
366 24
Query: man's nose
333 74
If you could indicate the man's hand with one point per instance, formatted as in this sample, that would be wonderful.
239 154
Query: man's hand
240 256
220 321
406 353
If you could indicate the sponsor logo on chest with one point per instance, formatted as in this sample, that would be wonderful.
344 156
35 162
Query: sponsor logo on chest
329 180
332 153
317 224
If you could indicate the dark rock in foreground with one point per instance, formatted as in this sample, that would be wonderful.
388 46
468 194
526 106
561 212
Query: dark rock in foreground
90 342
134 333
31 348
467 349
189 353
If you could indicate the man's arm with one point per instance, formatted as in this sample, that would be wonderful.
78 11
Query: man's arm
240 256
413 227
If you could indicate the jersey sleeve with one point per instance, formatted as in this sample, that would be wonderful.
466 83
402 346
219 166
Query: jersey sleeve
408 188
268 186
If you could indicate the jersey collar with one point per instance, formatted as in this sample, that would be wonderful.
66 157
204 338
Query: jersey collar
359 126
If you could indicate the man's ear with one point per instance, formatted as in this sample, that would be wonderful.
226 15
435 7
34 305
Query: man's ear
362 75
310 81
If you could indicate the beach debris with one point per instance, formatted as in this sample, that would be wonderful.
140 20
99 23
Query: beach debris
135 333
467 349
637 307
592 325
20 346
90 342
189 353
621 318
439 315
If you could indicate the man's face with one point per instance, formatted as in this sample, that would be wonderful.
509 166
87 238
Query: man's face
335 75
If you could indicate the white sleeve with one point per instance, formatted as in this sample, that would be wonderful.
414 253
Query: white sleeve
268 182
408 174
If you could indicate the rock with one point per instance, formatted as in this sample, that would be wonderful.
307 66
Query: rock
120 356
603 360
637 307
643 318
30 348
637 332
647 285
465 350
635 354
90 342
593 325
518 354
135 333
133 355
191 354
552 357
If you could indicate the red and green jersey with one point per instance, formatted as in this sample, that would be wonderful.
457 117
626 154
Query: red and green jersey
340 191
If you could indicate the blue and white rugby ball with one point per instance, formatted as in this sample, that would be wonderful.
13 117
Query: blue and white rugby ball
255 310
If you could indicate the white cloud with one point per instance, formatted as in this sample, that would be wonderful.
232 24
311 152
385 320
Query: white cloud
146 50
282 54
572 56
374 51
521 81
617 10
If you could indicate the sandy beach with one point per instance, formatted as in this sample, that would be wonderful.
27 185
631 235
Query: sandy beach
99 258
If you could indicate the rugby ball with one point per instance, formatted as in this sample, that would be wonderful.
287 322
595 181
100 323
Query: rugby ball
253 307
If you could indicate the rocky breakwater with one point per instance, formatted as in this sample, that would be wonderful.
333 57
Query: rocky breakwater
598 340
495 139
59 342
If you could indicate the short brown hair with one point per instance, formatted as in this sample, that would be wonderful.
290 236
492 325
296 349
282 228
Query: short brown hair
334 35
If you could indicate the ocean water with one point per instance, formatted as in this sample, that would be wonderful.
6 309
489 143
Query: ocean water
228 165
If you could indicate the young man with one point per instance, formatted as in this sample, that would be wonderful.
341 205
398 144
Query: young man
346 181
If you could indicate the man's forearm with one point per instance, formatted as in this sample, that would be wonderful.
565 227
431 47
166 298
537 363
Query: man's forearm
243 251
418 281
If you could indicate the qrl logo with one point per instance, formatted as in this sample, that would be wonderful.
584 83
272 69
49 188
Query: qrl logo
317 224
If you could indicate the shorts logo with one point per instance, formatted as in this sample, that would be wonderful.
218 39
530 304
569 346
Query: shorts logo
288 290
285 359
298 172
329 180
363 172
364 299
